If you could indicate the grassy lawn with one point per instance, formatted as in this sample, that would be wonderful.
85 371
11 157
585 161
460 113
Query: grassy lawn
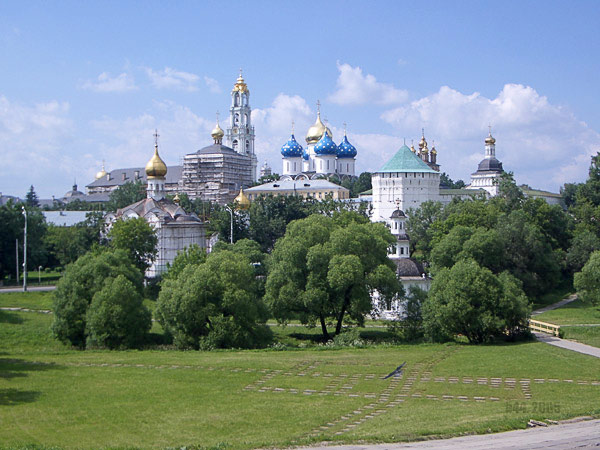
552 297
576 313
52 395
29 300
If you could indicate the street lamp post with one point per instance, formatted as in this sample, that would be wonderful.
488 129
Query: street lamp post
25 251
231 214
39 274
17 258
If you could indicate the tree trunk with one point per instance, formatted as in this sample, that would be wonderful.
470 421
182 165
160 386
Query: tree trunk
324 327
338 327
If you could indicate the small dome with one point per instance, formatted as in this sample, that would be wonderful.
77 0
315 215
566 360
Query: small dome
316 131
326 146
490 165
423 142
156 167
346 149
291 149
240 84
217 132
398 213
242 200
490 139
102 173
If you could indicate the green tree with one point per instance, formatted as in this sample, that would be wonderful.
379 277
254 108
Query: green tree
446 251
137 238
80 282
587 282
584 243
419 225
117 317
126 194
31 198
192 255
447 182
269 216
510 192
66 244
468 299
214 305
325 269
12 228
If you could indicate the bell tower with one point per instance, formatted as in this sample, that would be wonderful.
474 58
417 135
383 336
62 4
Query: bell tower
240 133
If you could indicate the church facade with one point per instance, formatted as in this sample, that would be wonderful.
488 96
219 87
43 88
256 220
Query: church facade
175 229
321 158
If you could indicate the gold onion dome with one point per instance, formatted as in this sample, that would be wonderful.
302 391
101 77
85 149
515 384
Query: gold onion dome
490 140
156 167
217 132
242 200
101 174
317 130
240 84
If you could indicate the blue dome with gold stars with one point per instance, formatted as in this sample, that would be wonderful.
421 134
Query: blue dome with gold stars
305 155
326 146
346 149
291 149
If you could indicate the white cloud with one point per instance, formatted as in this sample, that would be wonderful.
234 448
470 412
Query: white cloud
355 88
213 85
31 139
129 142
545 145
105 83
169 78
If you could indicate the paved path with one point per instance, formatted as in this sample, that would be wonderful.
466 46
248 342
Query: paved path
569 345
563 302
29 288
585 434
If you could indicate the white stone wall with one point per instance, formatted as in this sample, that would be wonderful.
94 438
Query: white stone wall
489 182
345 166
292 166
410 189
173 238
325 164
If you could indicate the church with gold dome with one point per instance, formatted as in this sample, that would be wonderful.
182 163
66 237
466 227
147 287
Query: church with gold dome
214 173
175 229
322 157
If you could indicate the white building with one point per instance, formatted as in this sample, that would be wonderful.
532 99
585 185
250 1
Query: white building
489 170
322 157
240 134
174 228
404 182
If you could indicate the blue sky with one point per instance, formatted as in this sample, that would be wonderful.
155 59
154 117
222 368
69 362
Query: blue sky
83 82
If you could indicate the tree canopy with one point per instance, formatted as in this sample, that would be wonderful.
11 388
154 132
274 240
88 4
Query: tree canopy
325 268
125 195
214 304
137 238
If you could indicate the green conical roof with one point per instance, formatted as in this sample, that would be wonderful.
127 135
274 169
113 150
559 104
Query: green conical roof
406 161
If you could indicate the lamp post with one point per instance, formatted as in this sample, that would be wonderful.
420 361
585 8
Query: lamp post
25 251
39 274
17 258
231 214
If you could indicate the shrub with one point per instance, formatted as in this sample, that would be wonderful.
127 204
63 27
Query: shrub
587 282
80 282
117 317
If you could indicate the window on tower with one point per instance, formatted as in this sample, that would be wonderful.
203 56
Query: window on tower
236 119
236 100
234 144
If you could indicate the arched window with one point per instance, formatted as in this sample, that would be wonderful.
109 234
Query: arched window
247 145
236 119
234 144
236 100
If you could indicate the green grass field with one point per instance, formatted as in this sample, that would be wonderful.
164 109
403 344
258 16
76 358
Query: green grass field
572 318
51 395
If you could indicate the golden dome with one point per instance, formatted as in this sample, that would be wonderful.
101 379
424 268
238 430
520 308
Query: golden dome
240 84
316 131
490 140
156 167
242 200
433 151
176 199
217 133
102 173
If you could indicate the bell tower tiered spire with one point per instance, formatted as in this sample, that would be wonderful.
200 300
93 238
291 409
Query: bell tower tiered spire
240 133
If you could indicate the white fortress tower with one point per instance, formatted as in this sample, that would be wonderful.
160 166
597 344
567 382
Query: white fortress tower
404 182
240 134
